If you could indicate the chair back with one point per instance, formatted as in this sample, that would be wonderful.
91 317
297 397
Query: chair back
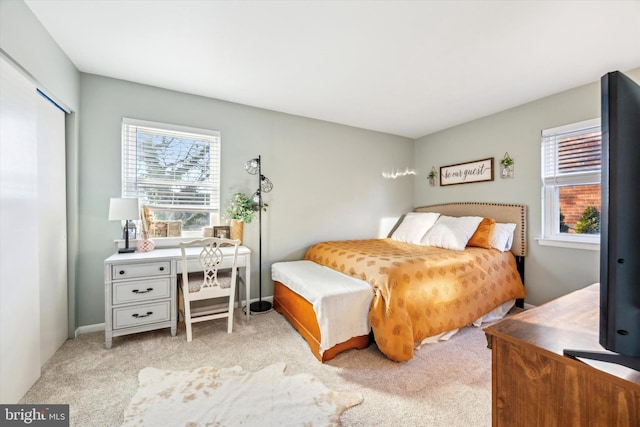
202 261
211 255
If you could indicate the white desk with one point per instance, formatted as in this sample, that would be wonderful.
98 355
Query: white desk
140 289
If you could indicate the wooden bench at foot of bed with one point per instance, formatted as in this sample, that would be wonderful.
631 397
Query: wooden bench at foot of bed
327 308
299 312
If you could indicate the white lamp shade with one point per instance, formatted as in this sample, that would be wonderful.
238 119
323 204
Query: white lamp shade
123 208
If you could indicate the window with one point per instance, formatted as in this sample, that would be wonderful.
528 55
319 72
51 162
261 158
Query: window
571 184
174 170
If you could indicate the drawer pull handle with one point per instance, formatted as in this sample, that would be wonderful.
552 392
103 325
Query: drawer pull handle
161 268
136 291
121 271
140 316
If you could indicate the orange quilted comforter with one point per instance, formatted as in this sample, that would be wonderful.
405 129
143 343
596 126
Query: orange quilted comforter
421 291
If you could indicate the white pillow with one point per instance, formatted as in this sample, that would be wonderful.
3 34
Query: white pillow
502 238
414 226
452 232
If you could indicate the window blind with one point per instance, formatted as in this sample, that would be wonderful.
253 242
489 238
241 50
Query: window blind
171 167
572 154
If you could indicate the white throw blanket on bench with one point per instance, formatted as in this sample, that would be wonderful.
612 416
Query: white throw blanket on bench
341 302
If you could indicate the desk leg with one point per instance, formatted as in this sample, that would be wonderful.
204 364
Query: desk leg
247 285
108 332
108 329
175 300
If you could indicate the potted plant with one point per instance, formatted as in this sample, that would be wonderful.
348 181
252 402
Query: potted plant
242 209
432 176
507 166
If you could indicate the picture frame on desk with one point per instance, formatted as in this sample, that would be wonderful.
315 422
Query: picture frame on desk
222 232
165 228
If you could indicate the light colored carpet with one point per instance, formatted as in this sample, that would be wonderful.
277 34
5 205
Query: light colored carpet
445 384
229 396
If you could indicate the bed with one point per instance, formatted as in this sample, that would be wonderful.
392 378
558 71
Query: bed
420 290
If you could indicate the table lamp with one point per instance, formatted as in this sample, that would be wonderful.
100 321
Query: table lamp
124 209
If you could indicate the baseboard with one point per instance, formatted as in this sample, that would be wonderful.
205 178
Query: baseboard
528 306
89 329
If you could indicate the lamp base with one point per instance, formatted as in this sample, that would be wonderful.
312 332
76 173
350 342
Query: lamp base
260 306
126 250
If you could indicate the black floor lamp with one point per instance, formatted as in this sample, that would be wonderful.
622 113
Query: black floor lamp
254 167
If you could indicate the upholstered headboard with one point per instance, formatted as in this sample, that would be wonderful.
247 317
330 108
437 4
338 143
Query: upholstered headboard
501 212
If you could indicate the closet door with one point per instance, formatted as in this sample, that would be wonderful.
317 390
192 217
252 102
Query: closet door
33 248
52 228
19 246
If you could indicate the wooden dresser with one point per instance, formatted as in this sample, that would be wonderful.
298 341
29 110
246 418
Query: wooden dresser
535 385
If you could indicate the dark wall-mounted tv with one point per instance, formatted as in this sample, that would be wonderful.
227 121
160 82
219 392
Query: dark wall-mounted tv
619 224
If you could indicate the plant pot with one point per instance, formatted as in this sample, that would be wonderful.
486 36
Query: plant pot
507 171
237 227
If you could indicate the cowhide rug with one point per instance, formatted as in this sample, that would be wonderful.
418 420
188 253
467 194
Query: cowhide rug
231 397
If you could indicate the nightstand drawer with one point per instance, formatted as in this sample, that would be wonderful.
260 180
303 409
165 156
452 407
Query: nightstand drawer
131 271
141 315
141 290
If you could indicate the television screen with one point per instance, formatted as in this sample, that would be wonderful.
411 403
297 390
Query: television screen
620 233
620 226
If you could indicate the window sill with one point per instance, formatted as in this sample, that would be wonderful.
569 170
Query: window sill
569 243
160 242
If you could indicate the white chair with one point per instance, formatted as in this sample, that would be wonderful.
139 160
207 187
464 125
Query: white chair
208 273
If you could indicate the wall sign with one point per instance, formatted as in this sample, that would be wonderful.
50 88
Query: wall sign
465 173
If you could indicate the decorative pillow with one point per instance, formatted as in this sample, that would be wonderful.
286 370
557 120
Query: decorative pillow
452 232
502 238
414 226
482 236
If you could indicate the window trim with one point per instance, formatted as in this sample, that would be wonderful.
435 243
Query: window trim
214 213
549 195
591 243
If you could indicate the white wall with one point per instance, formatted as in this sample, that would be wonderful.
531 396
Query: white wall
327 177
549 271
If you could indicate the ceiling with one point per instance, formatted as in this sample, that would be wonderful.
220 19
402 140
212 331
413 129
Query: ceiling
408 68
